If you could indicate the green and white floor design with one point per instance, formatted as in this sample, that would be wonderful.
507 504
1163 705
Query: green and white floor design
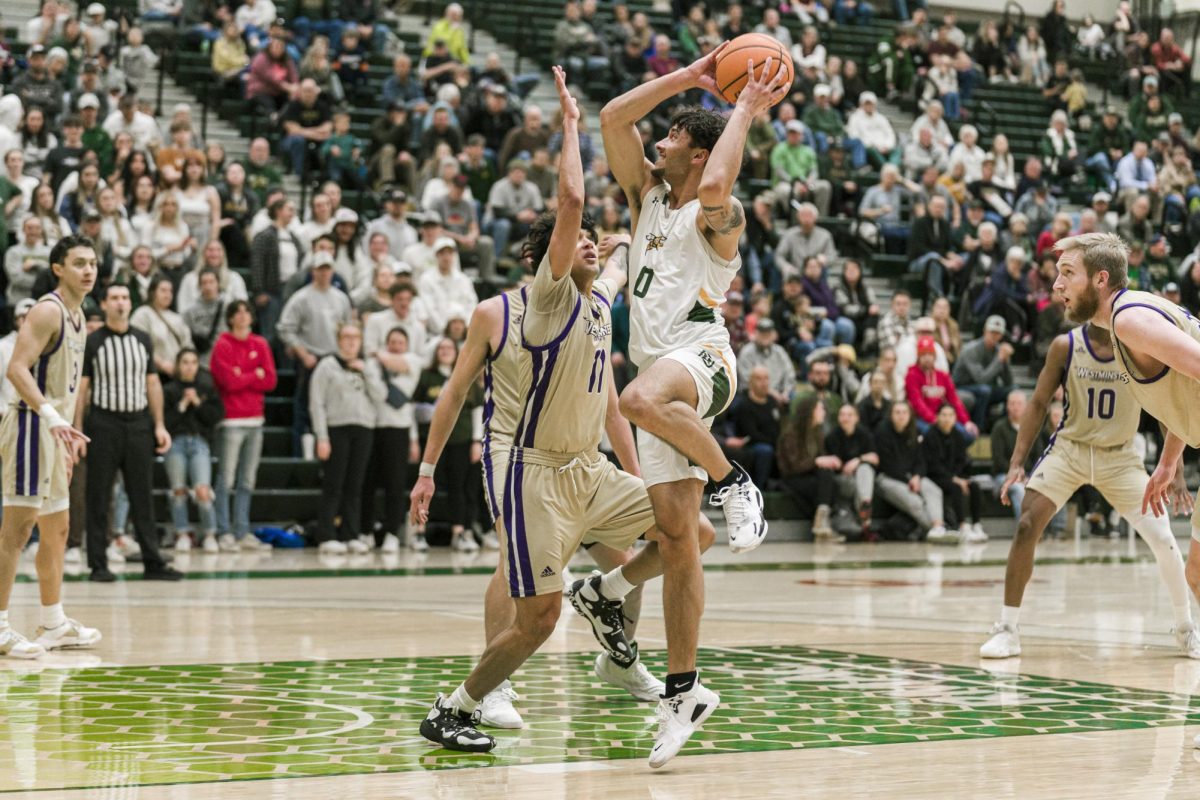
199 723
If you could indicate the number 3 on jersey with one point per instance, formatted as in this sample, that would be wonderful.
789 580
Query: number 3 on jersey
1104 405
642 284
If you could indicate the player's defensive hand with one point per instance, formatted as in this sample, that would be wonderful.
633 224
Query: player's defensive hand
419 499
1158 490
703 71
1015 475
610 242
766 88
570 108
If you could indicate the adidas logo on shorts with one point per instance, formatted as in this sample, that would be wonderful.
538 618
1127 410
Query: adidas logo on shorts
547 572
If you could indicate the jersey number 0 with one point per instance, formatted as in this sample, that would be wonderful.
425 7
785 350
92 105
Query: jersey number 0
642 284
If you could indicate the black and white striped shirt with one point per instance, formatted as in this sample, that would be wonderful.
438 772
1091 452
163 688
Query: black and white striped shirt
116 364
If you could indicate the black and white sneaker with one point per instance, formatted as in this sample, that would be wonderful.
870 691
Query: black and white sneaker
454 729
606 618
742 503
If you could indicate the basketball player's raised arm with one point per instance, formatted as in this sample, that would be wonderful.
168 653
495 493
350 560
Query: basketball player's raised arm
1035 413
620 116
565 237
721 217
614 252
486 317
42 326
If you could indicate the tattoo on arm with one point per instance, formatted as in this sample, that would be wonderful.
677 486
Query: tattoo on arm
724 219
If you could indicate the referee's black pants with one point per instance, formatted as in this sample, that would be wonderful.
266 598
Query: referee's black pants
121 442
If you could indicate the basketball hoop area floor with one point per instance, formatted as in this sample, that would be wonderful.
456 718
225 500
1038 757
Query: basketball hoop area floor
848 672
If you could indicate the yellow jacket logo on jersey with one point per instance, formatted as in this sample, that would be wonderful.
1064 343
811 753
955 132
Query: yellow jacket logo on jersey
655 241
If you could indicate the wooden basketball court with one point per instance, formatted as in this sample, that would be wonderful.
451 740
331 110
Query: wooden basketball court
844 672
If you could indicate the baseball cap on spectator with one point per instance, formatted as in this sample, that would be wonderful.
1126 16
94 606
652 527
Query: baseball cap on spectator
90 66
868 97
497 89
398 105
37 50
461 181
1040 187
1016 251
58 52
1111 111
1150 80
89 100
1174 118
1156 239
432 218
518 163
321 260
975 205
793 278
345 215
24 306
822 90
1102 197
924 325
926 345
395 195
95 9
765 325
836 144
1170 288
92 215
444 242
995 324
795 126
401 268
734 297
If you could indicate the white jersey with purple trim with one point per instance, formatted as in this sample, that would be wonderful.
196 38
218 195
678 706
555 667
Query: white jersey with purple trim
57 371
506 377
1170 396
1100 408
678 282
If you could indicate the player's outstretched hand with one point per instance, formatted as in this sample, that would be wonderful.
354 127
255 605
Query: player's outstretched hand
703 71
570 108
422 494
766 88
610 242
1157 497
1015 475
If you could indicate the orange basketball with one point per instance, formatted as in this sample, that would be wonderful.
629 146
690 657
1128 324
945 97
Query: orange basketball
752 47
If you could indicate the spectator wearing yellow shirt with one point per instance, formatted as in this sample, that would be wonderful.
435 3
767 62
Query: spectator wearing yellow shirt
449 29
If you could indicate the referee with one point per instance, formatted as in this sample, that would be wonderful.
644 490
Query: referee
125 424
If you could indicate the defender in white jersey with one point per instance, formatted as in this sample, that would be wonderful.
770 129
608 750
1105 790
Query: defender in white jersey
39 447
1093 445
684 256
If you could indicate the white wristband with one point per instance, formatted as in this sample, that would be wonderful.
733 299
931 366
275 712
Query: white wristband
426 469
51 417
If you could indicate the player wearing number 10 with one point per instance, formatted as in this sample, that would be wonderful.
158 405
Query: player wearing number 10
1093 445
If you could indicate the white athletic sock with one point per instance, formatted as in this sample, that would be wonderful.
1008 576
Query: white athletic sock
53 616
1010 615
463 701
614 586
4 619
1156 533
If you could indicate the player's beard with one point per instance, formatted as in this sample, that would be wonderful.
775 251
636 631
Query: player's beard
659 173
1085 306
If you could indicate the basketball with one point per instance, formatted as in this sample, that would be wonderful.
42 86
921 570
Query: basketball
754 47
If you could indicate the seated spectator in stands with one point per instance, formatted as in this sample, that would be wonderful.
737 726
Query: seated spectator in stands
404 312
1136 223
906 349
927 388
446 290
845 191
806 240
882 203
1172 63
968 153
166 329
922 153
238 207
858 11
755 424
985 370
990 54
1004 175
1060 154
229 56
272 79
512 206
1177 183
403 88
875 404
320 219
1004 443
1007 294
276 254
84 197
420 255
437 186
804 329
807 472
307 122
856 302
393 224
1136 174
945 329
733 317
996 199
34 139
822 296
1107 144
261 174
759 243
1060 228
985 254
1037 206
1031 55
1017 235
350 262
523 141
823 119
853 445
942 83
494 119
372 295
821 383
896 323
166 234
191 409
204 314
138 124
948 465
576 44
929 248
794 169
350 63
65 158
25 260
764 351
461 223
342 153
874 130
773 26
901 480
36 87
1159 269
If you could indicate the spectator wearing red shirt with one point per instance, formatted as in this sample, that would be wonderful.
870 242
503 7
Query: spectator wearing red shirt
928 389
1060 228
244 371
661 62
1170 60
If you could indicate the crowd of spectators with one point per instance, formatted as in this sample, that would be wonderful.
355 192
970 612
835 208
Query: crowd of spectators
850 402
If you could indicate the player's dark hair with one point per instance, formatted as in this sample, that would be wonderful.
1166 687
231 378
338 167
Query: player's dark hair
702 126
64 245
538 240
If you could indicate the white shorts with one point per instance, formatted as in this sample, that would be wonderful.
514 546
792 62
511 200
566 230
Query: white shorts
35 464
1117 473
714 371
